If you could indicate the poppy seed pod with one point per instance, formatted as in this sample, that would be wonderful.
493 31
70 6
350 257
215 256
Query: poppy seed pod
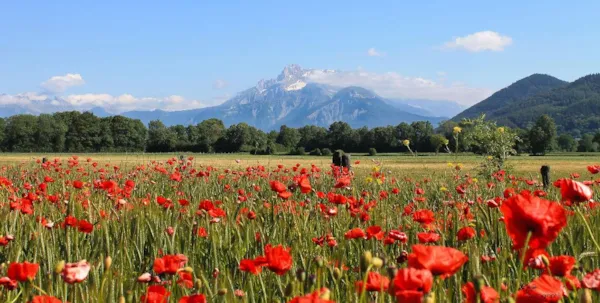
59 266
377 262
337 273
107 263
320 261
325 294
289 289
222 291
429 298
301 275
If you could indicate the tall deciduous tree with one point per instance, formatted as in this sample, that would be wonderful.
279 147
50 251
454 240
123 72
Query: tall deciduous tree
542 135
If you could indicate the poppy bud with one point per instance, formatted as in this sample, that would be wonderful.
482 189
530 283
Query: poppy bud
377 262
311 280
320 261
129 296
429 298
325 294
222 291
300 275
403 257
188 269
585 295
289 289
545 260
479 283
366 260
511 300
198 284
392 270
121 299
337 273
107 263
59 267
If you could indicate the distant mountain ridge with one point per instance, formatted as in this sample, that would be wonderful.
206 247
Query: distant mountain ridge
292 100
526 87
574 106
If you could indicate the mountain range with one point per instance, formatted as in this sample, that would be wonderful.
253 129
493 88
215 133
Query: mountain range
294 100
290 99
574 106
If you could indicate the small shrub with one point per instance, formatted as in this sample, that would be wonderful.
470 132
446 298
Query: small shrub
326 152
372 152
298 151
316 152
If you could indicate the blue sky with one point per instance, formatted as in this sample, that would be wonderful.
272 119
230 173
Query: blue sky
204 51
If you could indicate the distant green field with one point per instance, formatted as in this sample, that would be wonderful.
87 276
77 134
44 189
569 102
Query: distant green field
562 164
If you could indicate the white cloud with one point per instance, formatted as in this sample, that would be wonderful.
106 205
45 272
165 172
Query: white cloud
127 102
480 41
37 103
59 84
220 84
393 85
372 52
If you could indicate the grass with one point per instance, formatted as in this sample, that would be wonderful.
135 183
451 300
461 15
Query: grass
134 229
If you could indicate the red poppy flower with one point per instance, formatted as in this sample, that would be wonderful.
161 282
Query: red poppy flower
8 283
304 184
592 280
277 186
156 294
185 279
562 265
575 191
250 266
169 264
45 299
466 233
77 184
374 232
410 284
85 226
542 289
486 294
424 216
343 182
526 213
355 233
428 237
22 272
76 272
284 195
200 298
278 259
375 282
440 260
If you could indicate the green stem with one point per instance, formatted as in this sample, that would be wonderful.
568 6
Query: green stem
589 229
364 283
522 260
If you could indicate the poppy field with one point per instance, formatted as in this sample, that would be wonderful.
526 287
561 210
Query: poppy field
76 229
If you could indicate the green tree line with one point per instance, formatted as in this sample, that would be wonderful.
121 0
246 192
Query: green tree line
84 132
